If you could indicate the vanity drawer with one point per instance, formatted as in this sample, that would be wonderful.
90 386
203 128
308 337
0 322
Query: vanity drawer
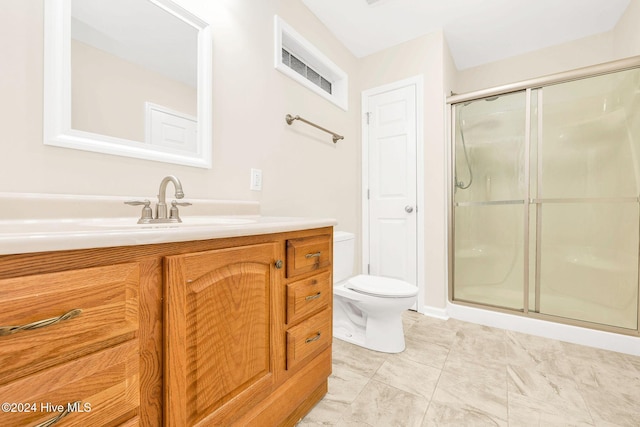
100 389
49 319
308 296
308 338
308 254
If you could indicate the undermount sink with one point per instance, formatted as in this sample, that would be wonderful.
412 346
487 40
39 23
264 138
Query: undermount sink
189 221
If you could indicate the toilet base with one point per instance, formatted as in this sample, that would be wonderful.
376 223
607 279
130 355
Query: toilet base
359 340
368 320
384 334
344 334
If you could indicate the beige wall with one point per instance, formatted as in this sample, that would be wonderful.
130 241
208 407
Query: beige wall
428 57
626 36
304 173
108 94
621 42
567 56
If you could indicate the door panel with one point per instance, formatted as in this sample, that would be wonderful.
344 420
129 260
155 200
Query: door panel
590 276
392 139
489 261
171 130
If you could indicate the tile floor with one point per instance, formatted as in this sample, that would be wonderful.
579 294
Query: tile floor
455 373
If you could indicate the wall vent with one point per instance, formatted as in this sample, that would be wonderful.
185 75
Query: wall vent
304 70
303 62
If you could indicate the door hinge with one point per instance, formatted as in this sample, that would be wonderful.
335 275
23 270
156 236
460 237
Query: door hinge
368 268
368 194
368 117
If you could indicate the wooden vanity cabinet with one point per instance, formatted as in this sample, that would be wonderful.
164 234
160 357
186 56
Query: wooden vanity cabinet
267 337
219 353
211 332
68 342
309 297
308 254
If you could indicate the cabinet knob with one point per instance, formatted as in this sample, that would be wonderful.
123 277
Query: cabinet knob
279 264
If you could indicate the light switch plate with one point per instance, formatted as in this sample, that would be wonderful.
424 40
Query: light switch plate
256 180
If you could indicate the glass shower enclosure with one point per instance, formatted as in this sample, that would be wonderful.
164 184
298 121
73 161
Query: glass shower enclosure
545 201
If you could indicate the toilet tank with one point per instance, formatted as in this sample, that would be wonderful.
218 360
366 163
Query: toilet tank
343 252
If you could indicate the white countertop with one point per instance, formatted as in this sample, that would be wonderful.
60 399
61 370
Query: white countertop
52 223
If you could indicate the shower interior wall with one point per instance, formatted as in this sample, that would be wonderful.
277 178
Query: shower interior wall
583 230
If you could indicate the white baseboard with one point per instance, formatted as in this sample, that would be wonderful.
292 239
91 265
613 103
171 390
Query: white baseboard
438 313
558 331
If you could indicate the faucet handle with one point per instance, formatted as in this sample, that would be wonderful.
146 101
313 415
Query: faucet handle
147 213
173 212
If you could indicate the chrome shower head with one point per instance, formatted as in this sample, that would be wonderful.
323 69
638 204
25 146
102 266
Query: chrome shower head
491 98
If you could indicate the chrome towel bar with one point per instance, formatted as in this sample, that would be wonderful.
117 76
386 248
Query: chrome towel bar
290 119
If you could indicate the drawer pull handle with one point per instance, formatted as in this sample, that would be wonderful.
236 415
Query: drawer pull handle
310 297
8 330
312 339
60 416
314 255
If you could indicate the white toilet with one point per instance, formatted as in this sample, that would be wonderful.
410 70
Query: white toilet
367 310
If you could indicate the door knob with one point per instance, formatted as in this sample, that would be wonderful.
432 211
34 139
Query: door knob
408 209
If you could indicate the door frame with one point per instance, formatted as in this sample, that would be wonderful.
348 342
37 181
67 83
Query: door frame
418 83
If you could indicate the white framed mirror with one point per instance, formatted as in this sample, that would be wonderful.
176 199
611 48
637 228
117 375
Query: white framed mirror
129 78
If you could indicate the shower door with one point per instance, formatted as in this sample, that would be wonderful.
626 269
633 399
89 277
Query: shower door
585 187
545 201
489 200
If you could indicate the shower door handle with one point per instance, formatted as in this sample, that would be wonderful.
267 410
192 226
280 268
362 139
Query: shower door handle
408 209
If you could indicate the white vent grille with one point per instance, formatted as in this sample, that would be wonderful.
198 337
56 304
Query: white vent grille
303 69
299 59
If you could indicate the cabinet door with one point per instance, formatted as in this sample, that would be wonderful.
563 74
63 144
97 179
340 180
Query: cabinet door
218 358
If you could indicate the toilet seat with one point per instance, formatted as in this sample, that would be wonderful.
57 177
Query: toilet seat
383 287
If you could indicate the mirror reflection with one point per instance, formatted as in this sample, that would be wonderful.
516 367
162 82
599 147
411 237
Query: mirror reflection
135 82
122 61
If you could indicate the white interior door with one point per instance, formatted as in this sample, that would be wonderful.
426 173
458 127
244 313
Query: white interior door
391 140
171 130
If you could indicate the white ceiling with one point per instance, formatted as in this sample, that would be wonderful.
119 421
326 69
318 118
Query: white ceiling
477 31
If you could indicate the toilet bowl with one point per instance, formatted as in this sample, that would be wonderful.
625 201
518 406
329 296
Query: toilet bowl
367 310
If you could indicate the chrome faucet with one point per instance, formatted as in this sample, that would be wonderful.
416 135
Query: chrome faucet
161 207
